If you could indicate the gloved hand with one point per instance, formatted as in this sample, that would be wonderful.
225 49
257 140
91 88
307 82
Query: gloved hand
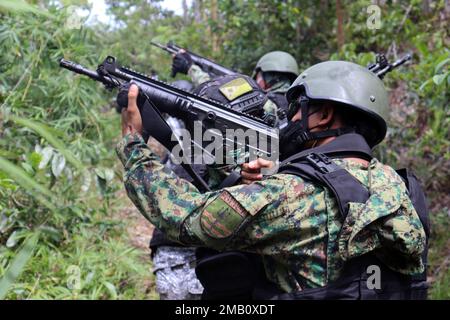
182 61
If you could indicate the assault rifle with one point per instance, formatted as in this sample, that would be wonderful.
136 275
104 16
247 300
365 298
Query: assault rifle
156 96
212 68
382 66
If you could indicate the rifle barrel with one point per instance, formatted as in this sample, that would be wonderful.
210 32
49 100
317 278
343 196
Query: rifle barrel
393 66
78 68
163 47
401 61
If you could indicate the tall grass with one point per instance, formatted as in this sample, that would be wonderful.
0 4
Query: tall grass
56 153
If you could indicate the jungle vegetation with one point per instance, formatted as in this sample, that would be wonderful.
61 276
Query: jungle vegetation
62 232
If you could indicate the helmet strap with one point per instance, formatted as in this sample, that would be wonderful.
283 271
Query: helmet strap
306 135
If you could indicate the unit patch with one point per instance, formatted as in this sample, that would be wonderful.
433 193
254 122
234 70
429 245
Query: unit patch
223 216
235 88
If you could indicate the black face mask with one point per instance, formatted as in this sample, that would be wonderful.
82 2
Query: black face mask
294 136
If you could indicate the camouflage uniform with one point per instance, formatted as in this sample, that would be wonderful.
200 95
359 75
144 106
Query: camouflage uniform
295 225
197 75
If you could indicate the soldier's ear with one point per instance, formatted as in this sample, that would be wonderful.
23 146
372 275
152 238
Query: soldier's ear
327 114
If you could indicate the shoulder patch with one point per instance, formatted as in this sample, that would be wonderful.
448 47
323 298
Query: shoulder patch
223 216
235 88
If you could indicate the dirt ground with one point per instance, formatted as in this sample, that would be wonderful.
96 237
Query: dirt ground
138 228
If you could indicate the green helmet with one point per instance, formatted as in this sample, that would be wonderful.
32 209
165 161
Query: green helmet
350 85
277 61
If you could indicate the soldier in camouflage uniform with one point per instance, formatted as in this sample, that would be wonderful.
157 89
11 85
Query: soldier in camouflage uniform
275 72
292 222
173 264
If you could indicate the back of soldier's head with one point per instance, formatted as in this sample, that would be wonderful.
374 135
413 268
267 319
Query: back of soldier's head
277 64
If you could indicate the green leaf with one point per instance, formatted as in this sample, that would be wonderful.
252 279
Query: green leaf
21 6
28 168
47 134
439 78
18 264
26 182
111 289
12 240
105 173
35 159
423 85
440 65
7 183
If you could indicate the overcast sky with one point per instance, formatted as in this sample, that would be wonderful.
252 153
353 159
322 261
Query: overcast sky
99 8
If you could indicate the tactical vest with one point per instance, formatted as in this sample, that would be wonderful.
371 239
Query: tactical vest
242 276
279 99
237 91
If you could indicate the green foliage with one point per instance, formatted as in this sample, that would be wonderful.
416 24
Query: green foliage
18 264
90 263
58 171
20 6
57 135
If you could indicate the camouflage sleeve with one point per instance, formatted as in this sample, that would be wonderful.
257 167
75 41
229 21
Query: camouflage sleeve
219 220
198 76
270 110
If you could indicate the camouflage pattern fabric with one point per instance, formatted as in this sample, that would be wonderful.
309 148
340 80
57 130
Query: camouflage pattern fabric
174 271
197 75
295 225
280 87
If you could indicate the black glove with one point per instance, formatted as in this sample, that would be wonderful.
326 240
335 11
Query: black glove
122 98
181 63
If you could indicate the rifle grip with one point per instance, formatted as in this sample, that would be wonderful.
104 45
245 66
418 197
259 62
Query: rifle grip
122 99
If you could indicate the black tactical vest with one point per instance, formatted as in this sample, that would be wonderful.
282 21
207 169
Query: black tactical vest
279 99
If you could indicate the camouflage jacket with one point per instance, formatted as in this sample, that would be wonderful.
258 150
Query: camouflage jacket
280 87
197 75
294 224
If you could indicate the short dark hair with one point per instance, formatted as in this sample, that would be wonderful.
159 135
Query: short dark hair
357 120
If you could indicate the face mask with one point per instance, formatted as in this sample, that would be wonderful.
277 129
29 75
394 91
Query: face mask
294 136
